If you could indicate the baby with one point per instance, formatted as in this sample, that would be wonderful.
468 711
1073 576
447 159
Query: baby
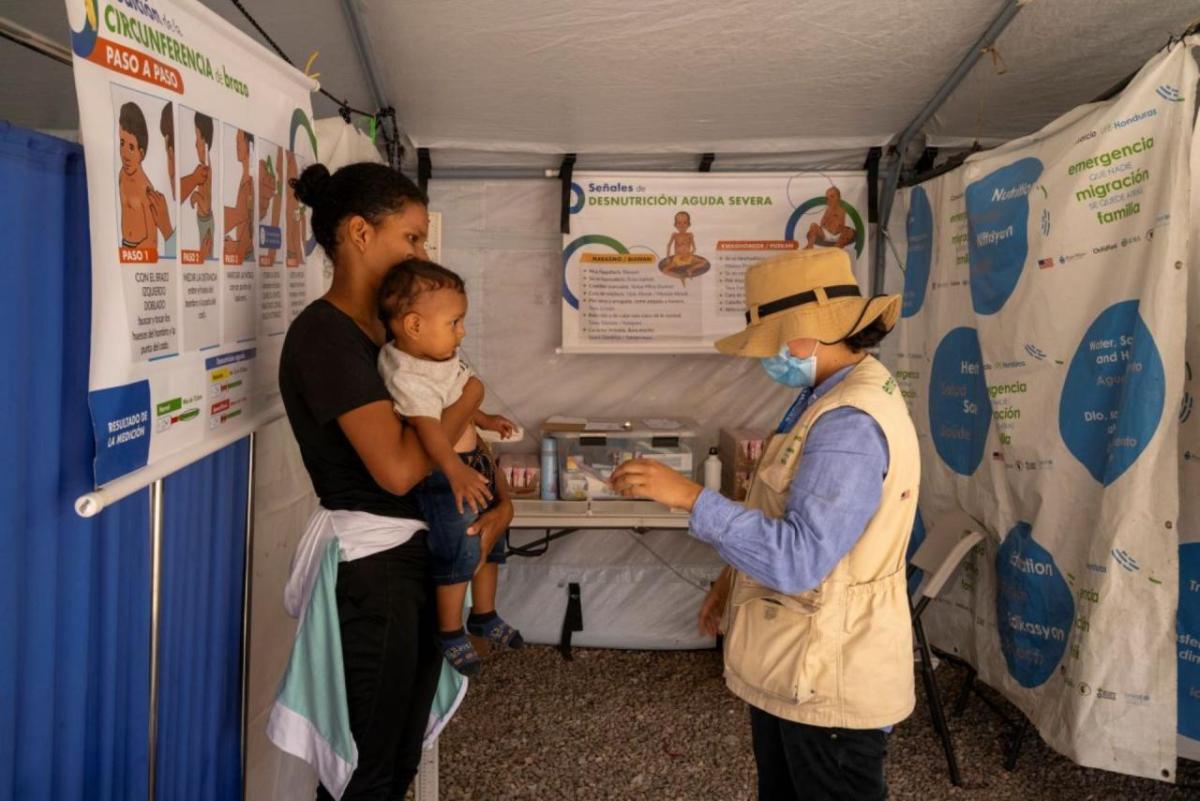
423 306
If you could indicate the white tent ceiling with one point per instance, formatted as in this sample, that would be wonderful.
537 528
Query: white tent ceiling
520 81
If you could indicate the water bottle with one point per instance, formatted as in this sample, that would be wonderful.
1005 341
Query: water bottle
549 469
712 471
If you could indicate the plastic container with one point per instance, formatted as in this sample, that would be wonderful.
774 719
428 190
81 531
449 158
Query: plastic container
549 469
712 471
587 458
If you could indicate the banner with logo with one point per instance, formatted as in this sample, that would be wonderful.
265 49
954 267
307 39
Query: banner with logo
201 254
654 262
1042 354
1188 633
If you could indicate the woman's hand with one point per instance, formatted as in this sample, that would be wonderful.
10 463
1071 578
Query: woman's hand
491 525
646 478
713 608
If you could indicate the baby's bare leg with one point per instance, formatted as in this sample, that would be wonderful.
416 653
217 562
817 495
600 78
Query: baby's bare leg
450 600
483 589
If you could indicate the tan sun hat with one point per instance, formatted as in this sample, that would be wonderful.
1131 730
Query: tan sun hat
806 294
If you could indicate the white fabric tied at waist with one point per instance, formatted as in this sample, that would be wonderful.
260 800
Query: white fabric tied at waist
359 534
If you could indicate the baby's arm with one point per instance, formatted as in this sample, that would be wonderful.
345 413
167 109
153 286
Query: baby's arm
495 422
490 422
420 401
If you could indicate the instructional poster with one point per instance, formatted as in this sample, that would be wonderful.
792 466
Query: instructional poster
655 262
190 131
1042 354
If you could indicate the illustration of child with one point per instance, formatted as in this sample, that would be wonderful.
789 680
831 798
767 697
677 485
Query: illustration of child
197 185
142 207
295 216
832 231
682 242
423 306
239 217
681 260
166 127
270 190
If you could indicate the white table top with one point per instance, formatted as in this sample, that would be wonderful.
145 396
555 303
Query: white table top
596 514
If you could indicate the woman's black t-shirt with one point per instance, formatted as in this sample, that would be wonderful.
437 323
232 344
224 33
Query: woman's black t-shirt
328 368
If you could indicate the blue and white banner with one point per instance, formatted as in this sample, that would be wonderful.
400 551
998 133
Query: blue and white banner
1188 627
1042 353
200 251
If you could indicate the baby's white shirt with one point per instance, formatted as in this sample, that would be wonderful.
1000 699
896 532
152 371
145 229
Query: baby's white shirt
421 387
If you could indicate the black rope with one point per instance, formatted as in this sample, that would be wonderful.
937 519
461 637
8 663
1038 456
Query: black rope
343 105
391 139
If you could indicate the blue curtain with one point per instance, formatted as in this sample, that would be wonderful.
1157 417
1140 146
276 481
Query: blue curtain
199 701
74 598
74 593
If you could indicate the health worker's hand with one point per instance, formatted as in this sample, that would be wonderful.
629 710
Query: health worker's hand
646 478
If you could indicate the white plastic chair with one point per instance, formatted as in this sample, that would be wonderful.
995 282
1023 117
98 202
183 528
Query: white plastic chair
948 540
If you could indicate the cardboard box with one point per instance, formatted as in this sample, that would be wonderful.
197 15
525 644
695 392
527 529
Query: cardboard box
740 450
524 473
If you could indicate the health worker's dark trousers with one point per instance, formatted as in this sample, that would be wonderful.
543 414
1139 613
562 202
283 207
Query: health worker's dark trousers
388 618
810 763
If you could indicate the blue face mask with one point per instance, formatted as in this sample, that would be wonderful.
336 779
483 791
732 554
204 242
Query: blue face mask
790 370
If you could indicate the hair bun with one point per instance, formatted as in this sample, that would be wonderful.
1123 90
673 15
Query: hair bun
312 184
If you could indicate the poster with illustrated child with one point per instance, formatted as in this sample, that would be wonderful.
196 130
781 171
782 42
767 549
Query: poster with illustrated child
183 118
300 283
655 262
146 212
238 179
269 231
197 135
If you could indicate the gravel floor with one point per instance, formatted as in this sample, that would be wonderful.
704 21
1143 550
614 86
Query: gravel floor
660 725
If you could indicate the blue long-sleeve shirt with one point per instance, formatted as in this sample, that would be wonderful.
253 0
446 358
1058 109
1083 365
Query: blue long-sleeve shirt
832 496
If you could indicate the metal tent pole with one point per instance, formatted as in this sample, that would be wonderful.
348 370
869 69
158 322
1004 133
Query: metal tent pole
34 41
366 54
247 565
891 178
156 532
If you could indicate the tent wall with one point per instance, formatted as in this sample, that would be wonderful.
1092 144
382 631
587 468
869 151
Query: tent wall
503 237
74 700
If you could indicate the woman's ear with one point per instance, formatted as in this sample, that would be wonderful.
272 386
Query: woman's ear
358 232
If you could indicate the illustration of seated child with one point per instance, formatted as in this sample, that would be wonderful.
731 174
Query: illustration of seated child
682 242
423 305
831 231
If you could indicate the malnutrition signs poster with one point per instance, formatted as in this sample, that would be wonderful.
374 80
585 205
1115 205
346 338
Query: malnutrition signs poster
1042 354
655 262
201 254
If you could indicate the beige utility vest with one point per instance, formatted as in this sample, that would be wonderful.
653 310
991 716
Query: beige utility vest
839 655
